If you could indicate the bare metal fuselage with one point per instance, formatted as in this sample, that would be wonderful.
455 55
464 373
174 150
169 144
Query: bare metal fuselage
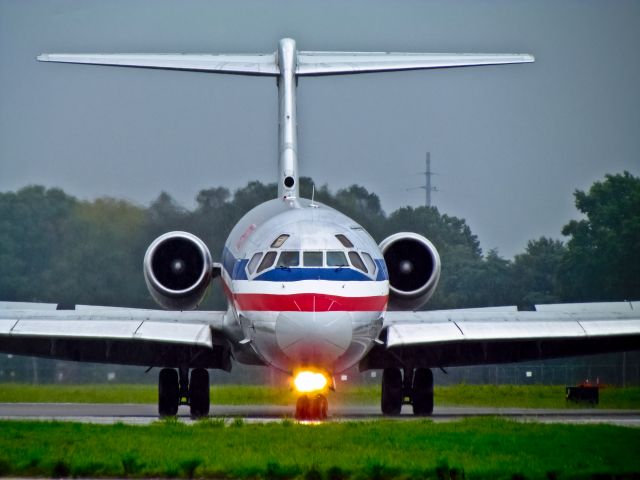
317 313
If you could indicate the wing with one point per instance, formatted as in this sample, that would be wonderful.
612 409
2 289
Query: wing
503 335
115 335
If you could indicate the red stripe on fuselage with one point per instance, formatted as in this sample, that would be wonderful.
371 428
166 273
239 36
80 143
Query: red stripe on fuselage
309 302
304 302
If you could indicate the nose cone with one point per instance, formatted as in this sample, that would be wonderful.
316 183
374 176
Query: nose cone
314 338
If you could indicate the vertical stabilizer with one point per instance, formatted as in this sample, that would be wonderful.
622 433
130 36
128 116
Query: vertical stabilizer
287 124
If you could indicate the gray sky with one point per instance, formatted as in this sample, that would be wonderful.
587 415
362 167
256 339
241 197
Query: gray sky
510 143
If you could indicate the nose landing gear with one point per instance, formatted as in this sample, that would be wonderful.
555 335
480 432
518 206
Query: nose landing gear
312 407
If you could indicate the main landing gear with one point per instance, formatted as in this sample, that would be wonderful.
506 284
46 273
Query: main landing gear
416 388
175 389
312 407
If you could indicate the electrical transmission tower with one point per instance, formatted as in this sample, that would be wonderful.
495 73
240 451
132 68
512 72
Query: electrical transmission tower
427 185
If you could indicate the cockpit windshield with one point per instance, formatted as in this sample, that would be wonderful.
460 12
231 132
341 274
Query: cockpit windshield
288 259
337 259
267 261
312 259
254 262
356 261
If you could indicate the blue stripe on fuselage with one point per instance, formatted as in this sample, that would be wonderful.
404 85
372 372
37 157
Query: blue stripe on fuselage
236 269
382 270
286 274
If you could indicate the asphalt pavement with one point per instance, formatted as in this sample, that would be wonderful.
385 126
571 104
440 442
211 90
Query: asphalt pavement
147 413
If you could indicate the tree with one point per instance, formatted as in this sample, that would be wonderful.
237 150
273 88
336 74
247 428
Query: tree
58 249
252 195
358 203
212 198
458 247
101 258
535 271
602 261
32 225
166 214
477 283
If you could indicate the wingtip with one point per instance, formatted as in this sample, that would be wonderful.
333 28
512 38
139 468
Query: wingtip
43 57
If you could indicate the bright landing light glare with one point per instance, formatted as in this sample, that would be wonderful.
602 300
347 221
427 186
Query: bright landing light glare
306 381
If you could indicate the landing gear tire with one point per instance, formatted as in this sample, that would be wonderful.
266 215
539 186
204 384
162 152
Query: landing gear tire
199 393
391 401
422 397
168 392
314 408
302 408
318 408
324 407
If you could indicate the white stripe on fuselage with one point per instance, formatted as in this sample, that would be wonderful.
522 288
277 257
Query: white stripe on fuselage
326 287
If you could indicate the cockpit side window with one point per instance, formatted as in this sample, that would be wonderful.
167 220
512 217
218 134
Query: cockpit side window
267 261
251 266
312 259
371 266
356 261
337 259
277 243
289 259
344 240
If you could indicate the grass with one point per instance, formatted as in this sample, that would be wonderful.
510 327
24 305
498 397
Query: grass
473 448
532 396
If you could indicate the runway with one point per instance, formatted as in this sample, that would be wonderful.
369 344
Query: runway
142 414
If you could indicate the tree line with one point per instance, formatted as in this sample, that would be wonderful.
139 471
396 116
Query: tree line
59 249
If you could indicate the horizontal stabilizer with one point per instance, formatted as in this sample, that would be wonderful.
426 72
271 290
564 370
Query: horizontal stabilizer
249 64
307 63
333 63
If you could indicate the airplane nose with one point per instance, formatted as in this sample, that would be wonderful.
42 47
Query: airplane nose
315 338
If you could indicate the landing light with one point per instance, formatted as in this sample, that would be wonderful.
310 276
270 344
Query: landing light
307 381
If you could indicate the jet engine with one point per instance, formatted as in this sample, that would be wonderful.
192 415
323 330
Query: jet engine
414 270
178 270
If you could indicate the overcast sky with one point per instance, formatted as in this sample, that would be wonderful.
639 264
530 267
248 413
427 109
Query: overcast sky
510 143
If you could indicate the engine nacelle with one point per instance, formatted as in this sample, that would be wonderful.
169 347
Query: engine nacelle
178 270
414 270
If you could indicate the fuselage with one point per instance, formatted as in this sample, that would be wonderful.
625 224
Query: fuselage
307 285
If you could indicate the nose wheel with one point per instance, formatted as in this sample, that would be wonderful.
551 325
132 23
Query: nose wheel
312 407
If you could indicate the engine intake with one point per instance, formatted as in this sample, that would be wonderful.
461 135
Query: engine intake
178 270
414 270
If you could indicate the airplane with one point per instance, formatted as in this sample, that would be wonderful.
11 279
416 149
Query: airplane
309 291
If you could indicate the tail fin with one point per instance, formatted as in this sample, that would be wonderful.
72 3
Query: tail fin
287 64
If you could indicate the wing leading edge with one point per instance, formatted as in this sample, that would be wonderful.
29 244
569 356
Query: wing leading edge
485 336
115 335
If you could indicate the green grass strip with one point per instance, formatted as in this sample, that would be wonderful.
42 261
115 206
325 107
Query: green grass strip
472 449
531 396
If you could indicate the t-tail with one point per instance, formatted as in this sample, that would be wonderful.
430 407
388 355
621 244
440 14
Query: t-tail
287 64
